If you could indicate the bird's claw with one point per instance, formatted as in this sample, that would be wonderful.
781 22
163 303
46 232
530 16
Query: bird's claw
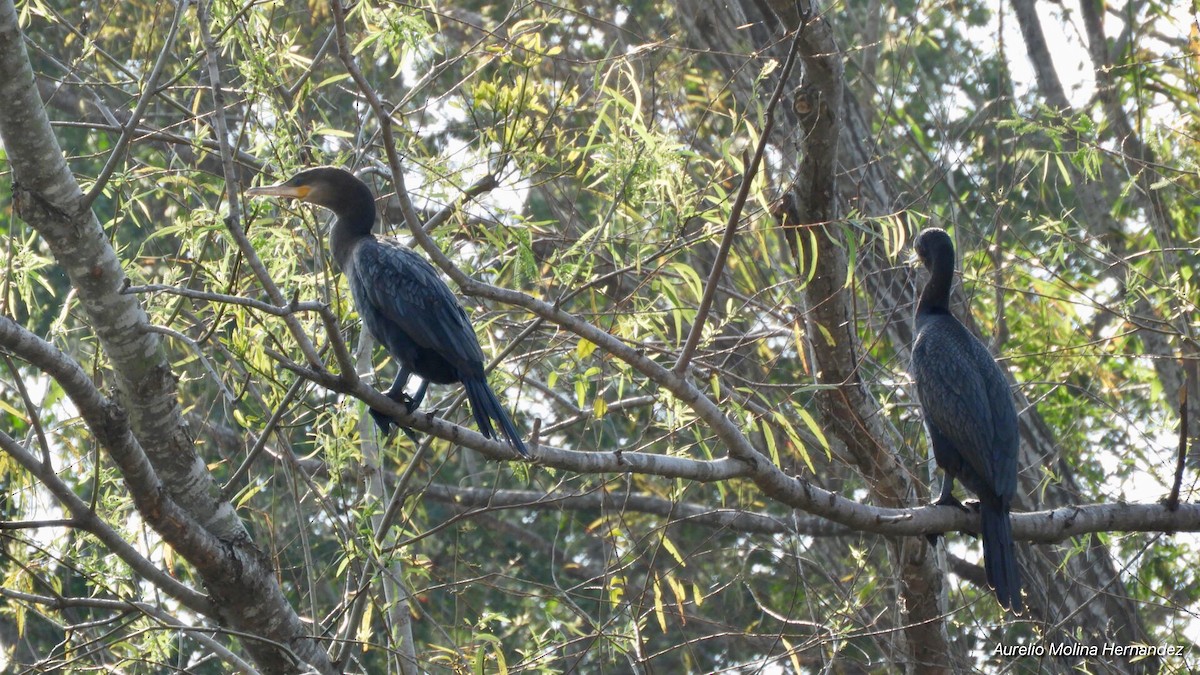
953 501
949 500
382 421
409 404
385 424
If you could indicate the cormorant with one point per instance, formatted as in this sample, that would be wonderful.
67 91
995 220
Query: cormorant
402 301
969 414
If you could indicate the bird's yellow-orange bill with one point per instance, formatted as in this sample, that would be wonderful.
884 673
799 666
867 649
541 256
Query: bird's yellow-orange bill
280 190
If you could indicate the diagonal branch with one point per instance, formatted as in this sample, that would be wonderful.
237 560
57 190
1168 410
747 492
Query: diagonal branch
129 129
233 191
83 518
735 213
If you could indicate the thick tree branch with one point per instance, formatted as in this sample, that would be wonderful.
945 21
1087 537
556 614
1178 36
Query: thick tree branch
48 198
213 558
1043 526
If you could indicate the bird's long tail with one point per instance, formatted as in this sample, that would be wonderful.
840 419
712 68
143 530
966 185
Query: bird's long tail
1000 556
486 407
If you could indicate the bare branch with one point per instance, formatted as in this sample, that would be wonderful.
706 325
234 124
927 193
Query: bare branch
736 520
149 91
167 620
233 191
735 213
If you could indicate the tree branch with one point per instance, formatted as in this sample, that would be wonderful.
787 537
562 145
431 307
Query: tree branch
149 91
735 212
85 519
233 191
162 617
737 520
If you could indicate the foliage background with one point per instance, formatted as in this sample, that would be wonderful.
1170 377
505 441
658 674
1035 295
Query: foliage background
590 157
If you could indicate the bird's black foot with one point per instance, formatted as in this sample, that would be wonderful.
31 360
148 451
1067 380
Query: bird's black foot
410 404
385 423
971 507
945 500
952 501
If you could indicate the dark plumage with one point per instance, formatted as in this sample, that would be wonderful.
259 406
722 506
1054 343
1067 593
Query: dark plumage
402 301
969 414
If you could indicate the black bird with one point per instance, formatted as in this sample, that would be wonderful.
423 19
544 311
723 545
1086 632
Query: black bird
403 302
969 414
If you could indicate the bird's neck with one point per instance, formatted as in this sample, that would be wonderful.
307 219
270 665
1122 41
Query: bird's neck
935 297
353 224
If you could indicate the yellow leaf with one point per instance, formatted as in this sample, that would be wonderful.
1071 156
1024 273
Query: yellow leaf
673 551
815 429
772 450
680 596
335 133
791 652
365 634
584 349
658 606
599 407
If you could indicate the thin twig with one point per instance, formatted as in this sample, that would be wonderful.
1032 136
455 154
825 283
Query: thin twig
328 318
230 397
144 133
198 633
275 310
272 423
1189 374
34 418
480 187
149 91
735 213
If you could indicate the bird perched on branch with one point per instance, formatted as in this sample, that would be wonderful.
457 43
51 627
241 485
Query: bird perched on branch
402 301
969 415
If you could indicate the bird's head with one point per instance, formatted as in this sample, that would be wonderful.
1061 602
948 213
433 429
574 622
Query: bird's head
327 186
933 244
